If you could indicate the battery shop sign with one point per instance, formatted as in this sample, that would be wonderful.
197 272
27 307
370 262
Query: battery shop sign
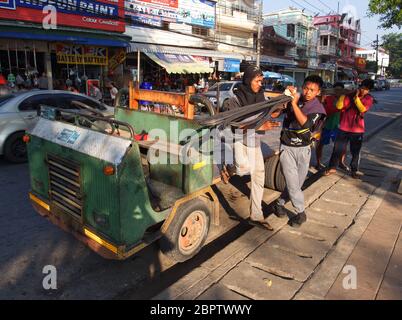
67 54
102 14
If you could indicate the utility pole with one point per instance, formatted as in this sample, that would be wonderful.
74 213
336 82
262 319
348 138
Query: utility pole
338 24
259 21
376 55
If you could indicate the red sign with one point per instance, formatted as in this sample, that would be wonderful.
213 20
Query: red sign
105 15
165 3
360 63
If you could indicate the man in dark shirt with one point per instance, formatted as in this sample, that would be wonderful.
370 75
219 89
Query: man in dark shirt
248 157
301 117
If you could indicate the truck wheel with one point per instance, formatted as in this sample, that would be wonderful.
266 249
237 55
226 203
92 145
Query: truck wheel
187 232
203 103
270 167
280 182
15 150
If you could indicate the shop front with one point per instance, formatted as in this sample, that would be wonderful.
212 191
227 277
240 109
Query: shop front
173 68
83 40
22 62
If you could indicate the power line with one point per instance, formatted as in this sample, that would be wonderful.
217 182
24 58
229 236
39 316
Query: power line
302 6
319 10
326 5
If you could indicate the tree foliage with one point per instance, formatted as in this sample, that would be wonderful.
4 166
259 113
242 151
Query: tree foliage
389 11
393 44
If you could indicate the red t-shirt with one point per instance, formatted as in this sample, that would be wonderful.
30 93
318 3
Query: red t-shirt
352 119
330 105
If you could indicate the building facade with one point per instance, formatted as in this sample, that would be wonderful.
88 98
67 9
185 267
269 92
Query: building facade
297 27
349 42
371 55
339 38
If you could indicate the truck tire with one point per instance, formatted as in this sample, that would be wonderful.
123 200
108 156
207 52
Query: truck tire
15 150
280 182
270 168
200 100
187 232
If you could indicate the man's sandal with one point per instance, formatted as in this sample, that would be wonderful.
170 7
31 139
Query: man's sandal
329 172
260 224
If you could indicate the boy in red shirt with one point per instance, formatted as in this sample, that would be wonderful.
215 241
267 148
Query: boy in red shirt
351 126
330 129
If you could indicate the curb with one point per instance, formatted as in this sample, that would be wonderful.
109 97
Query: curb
368 136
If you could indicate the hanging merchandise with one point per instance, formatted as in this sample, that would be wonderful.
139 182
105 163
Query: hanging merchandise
26 62
34 55
9 59
16 55
35 81
10 78
77 80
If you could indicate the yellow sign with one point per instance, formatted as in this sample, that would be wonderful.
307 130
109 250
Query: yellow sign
76 54
117 58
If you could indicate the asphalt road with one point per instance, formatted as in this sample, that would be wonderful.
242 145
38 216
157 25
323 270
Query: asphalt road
29 242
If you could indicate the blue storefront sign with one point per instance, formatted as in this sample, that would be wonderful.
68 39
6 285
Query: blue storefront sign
231 65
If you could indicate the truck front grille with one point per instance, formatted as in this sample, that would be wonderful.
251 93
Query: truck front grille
65 188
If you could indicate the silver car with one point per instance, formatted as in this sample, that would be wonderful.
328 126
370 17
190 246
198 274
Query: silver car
19 111
226 91
349 84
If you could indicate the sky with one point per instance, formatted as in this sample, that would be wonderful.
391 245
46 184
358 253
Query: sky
368 24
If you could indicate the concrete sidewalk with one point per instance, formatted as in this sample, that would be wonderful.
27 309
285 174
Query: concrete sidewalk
377 256
349 223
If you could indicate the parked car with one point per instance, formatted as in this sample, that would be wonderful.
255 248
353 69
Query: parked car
349 84
226 91
19 111
377 85
327 85
385 85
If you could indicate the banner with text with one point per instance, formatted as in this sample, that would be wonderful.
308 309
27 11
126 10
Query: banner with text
74 54
94 14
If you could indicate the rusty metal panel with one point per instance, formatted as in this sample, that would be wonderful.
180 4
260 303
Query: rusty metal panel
95 144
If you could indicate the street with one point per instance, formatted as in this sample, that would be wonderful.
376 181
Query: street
29 242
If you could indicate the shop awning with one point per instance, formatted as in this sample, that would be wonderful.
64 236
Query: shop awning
178 63
63 34
154 48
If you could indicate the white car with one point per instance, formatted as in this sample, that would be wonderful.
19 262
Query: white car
19 111
349 84
226 91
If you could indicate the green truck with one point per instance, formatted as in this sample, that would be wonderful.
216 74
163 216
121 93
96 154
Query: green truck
99 182
119 184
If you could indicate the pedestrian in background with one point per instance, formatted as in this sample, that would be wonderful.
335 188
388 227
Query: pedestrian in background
301 116
112 91
330 129
351 126
43 83
95 91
